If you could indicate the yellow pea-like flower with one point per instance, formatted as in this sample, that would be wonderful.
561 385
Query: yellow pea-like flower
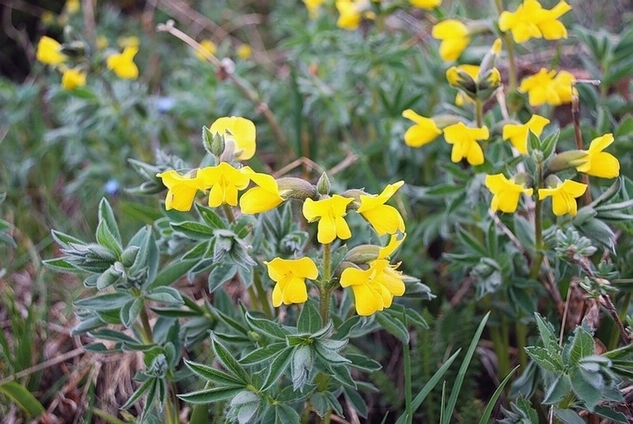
423 132
290 276
122 64
182 189
329 212
464 141
384 218
517 134
454 36
49 52
506 193
73 78
224 182
564 196
598 163
240 131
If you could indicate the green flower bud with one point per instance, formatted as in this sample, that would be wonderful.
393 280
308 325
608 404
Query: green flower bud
362 254
212 142
566 160
296 188
323 185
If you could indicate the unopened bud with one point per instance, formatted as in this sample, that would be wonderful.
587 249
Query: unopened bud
459 78
296 188
212 142
129 255
567 160
362 254
323 185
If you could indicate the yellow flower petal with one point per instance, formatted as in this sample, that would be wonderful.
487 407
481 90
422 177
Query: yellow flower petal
122 64
455 37
329 212
49 52
73 78
240 131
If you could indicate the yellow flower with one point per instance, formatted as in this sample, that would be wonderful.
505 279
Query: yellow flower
464 141
518 134
598 163
329 212
290 276
238 130
224 182
313 7
423 132
181 189
72 6
244 51
564 196
131 41
455 37
425 4
122 64
49 52
207 46
530 20
548 87
384 218
375 287
73 78
262 198
506 193
351 12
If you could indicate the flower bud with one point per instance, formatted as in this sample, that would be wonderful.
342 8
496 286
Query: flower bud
296 188
323 185
362 254
566 160
212 142
459 78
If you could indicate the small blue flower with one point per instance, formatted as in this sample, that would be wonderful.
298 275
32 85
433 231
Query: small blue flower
111 187
164 104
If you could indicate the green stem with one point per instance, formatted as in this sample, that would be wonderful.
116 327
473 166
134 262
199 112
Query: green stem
479 112
507 40
521 341
406 354
325 288
615 335
538 226
501 349
263 296
228 212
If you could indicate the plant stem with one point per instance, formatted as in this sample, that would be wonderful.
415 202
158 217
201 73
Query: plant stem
406 355
325 289
521 341
538 226
513 81
479 112
263 296
228 212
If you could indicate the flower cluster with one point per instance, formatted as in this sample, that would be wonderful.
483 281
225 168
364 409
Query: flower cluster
593 162
71 60
231 140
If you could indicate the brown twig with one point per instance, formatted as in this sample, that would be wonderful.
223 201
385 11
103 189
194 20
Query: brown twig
260 106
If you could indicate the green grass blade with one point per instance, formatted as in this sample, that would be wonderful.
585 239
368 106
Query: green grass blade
23 398
493 400
417 401
452 401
